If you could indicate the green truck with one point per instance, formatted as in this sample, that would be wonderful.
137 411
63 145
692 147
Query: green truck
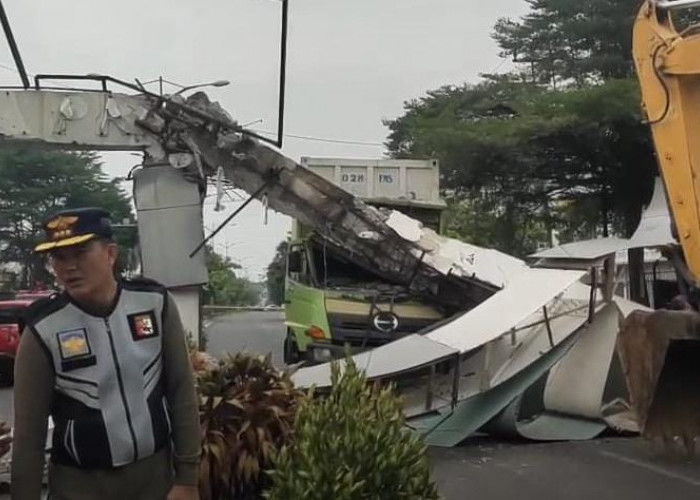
331 303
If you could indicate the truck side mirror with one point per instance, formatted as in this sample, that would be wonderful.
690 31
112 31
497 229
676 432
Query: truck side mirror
294 262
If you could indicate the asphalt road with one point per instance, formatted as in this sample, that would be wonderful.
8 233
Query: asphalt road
255 332
486 469
601 469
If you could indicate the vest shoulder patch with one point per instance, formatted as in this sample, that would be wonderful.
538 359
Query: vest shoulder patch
73 343
143 325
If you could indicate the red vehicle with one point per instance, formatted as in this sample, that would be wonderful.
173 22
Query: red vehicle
11 325
33 295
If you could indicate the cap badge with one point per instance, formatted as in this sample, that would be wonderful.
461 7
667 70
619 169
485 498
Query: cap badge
62 226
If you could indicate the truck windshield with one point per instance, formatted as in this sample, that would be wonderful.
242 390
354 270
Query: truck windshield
333 271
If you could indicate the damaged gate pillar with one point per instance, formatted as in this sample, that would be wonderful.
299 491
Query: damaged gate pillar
170 226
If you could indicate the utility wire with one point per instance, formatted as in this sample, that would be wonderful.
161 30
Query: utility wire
13 46
8 67
266 132
14 70
323 139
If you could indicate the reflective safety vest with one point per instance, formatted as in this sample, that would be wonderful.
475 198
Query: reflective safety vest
109 405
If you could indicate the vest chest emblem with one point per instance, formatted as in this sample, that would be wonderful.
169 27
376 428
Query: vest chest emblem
143 325
73 344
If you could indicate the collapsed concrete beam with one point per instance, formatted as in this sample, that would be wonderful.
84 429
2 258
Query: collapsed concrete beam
353 227
198 136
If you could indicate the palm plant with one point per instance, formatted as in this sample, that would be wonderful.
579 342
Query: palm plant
351 444
247 411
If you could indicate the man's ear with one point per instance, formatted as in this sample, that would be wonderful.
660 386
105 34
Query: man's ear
113 253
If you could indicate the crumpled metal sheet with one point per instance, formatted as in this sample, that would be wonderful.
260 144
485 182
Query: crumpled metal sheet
654 230
619 416
543 427
572 395
525 294
577 395
471 414
584 250
655 225
568 313
575 385
408 353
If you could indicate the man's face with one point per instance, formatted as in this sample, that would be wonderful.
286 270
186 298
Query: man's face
84 270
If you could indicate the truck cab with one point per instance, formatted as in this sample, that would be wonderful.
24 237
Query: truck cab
334 305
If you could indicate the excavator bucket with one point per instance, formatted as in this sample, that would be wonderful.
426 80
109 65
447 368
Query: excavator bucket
660 356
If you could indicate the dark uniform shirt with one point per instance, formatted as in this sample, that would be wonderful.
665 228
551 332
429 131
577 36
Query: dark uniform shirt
119 387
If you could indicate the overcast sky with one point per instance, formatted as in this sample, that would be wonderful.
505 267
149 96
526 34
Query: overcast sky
351 64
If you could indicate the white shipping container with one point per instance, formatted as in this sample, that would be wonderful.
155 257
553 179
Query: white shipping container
407 180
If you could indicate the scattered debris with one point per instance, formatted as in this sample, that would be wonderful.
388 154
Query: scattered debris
508 326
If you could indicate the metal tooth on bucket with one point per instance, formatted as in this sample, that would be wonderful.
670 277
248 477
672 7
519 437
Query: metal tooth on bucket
684 447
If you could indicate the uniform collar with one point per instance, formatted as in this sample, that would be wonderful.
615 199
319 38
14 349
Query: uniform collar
101 312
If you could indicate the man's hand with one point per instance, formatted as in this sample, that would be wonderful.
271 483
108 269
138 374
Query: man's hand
5 439
180 492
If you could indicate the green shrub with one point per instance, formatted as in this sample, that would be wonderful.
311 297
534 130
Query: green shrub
247 411
350 445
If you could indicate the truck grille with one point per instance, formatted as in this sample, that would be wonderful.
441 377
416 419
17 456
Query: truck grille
359 331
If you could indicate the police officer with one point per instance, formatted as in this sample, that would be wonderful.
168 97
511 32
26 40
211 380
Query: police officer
108 361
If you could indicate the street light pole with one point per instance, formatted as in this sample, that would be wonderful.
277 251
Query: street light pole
184 88
226 246
217 83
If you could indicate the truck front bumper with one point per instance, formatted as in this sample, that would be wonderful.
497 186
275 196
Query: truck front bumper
322 352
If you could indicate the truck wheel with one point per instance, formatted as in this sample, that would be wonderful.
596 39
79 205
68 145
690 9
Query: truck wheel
291 350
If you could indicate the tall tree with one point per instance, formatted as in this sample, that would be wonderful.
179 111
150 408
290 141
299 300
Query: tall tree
563 41
34 183
557 144
518 161
225 288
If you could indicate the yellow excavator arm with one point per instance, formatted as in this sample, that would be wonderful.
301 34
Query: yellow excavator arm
660 351
668 67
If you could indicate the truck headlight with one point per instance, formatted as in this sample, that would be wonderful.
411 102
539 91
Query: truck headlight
322 355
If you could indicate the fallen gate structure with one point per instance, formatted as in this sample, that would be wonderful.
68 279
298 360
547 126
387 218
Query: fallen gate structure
526 351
